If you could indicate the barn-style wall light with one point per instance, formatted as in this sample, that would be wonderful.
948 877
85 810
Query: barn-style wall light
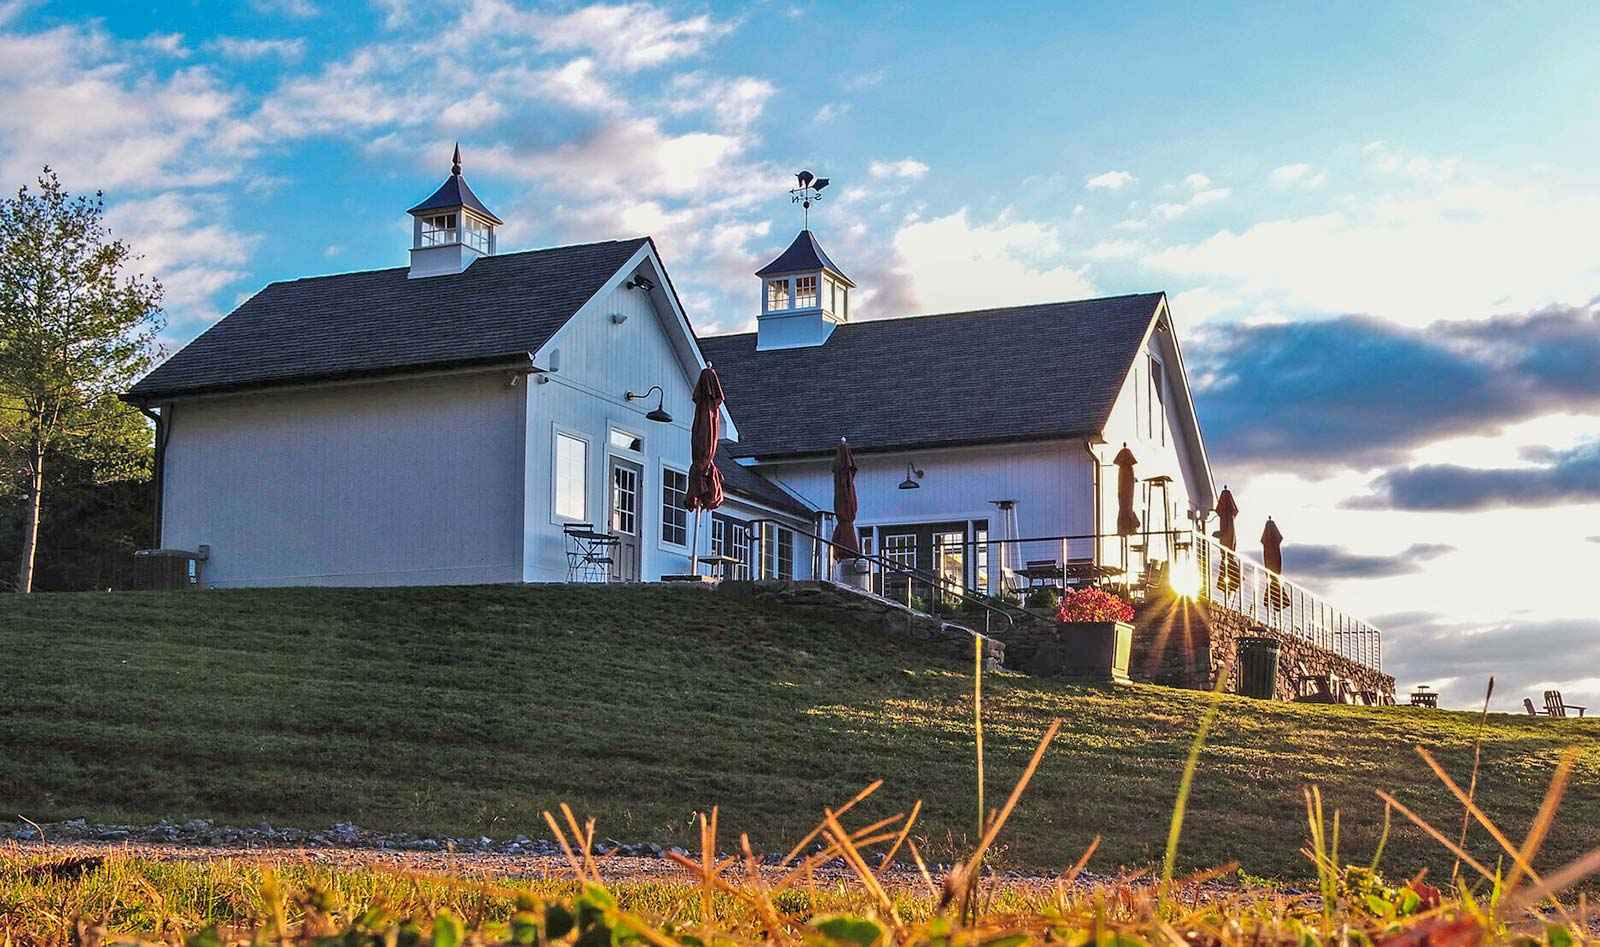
660 414
912 476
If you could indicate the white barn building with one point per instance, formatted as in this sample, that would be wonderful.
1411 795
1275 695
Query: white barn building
455 421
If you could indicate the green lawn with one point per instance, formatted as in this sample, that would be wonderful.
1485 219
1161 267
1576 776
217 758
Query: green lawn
468 710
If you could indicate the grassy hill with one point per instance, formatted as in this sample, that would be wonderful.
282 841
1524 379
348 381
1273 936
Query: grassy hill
468 710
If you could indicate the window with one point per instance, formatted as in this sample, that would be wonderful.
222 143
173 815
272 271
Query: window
438 230
843 311
624 500
980 555
805 292
674 515
732 538
901 549
477 234
833 296
622 440
571 477
777 552
777 294
1157 403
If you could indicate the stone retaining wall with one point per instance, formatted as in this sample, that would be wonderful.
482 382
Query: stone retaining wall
1187 644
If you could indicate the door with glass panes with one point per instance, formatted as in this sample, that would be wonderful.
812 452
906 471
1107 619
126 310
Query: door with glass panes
626 518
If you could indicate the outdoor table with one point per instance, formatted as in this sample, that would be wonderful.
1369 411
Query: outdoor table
715 563
589 556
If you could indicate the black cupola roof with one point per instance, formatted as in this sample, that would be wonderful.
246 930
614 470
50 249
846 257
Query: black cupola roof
454 193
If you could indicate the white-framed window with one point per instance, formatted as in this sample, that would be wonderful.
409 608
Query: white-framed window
842 310
674 515
805 292
477 235
570 478
777 294
619 439
438 230
1157 402
732 538
777 551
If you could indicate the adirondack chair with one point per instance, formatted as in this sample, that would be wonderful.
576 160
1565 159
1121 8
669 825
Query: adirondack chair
1527 704
1557 707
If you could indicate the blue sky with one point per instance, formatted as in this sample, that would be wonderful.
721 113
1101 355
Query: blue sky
1376 225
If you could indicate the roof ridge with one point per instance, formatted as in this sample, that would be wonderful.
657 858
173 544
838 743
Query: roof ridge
970 312
497 256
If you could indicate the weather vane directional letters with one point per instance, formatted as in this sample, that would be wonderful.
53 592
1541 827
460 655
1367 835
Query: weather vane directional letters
808 193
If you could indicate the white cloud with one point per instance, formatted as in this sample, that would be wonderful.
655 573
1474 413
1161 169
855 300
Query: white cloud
1114 250
904 168
1436 250
628 37
1172 211
1110 181
953 263
1424 168
166 44
245 48
1297 175
832 110
736 103
578 84
181 239
1197 182
295 8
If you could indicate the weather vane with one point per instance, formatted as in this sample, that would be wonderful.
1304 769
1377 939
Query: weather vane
808 193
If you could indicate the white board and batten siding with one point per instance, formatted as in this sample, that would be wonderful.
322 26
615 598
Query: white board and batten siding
1050 482
407 482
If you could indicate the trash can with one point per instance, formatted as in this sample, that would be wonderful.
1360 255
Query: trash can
1258 667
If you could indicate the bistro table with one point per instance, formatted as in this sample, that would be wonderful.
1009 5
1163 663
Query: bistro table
589 553
719 563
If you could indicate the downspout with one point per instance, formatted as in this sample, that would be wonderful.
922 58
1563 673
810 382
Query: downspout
163 431
1094 467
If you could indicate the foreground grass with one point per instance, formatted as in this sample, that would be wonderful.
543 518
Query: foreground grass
470 710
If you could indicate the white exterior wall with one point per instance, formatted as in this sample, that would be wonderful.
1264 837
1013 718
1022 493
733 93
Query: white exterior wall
408 482
1129 423
598 361
1051 483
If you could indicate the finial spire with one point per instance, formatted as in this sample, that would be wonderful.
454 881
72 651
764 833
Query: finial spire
455 160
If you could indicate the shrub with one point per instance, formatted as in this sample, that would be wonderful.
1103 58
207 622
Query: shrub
1093 604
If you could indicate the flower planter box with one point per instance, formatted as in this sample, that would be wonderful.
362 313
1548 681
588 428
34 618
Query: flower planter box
1095 651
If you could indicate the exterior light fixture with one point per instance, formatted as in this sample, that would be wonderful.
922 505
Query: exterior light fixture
640 282
912 476
659 415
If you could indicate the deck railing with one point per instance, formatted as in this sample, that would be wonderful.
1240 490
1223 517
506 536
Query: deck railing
1264 596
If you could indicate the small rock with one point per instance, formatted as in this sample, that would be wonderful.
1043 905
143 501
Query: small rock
425 845
112 835
197 826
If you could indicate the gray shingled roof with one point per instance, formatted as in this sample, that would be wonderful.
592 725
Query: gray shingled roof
379 322
1015 374
455 192
805 253
744 482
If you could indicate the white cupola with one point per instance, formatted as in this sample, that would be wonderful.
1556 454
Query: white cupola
803 296
450 229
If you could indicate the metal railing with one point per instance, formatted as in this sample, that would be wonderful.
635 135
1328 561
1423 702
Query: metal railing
941 588
1256 592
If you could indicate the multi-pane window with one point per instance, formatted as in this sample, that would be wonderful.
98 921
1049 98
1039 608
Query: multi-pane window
901 549
622 440
571 475
980 556
625 500
777 551
805 292
674 515
477 236
777 294
842 308
438 230
731 538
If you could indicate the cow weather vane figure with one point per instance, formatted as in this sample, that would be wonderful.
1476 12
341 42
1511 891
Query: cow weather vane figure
809 192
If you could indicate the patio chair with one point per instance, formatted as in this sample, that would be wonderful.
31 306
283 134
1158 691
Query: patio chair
1527 704
1557 707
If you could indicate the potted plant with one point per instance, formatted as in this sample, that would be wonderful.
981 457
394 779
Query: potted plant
1096 639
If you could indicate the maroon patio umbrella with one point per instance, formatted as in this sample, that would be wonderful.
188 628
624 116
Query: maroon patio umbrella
705 480
1272 547
846 545
1227 512
1127 520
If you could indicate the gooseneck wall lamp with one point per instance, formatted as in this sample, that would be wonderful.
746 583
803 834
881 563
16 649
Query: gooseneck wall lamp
659 415
912 476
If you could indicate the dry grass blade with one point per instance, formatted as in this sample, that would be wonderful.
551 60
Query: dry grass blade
852 857
1556 882
871 788
1071 874
861 838
1546 815
997 823
922 868
1477 761
561 839
888 857
1436 835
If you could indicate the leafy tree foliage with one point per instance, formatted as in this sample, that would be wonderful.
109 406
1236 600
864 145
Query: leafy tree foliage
76 328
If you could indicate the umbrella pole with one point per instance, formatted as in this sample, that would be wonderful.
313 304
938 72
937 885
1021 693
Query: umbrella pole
694 546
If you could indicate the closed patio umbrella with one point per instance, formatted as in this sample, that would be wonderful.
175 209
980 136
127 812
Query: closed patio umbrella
705 480
1227 512
846 545
1272 547
1127 520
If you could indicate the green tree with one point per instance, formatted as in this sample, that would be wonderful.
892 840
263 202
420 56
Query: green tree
76 328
